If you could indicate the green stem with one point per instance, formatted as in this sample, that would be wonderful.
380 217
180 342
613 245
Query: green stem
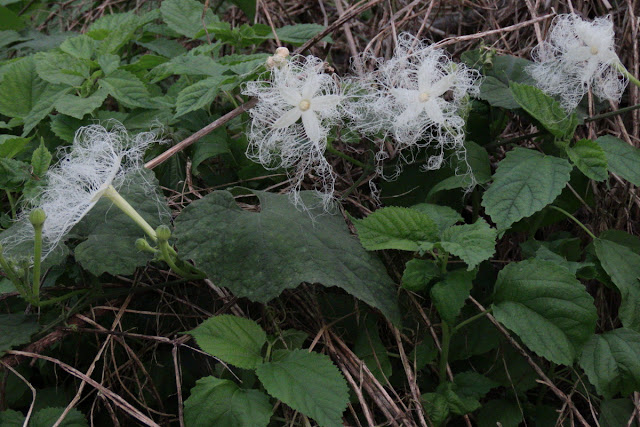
12 203
612 113
11 274
168 258
125 207
344 156
37 261
444 354
574 219
470 320
61 298
626 73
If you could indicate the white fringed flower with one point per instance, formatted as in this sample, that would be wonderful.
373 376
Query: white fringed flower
297 106
97 160
418 97
578 56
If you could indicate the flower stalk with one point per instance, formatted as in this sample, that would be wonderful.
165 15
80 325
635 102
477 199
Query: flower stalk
112 194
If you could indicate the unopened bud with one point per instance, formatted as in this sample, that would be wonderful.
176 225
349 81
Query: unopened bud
270 62
37 217
163 232
282 52
143 246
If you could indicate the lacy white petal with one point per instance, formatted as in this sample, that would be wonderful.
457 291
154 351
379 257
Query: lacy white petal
441 86
434 111
311 125
290 95
410 114
406 96
325 102
311 86
288 118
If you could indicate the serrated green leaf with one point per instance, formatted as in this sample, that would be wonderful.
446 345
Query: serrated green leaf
13 173
623 266
65 127
546 307
47 417
11 418
616 412
473 384
257 255
11 145
186 16
61 68
504 412
418 274
497 93
472 243
443 216
299 33
43 105
21 88
526 181
126 88
40 160
611 362
309 383
232 339
590 158
500 72
10 20
81 47
451 292
198 95
211 145
16 329
110 234
436 406
108 63
164 47
189 65
623 159
397 228
545 109
78 107
221 403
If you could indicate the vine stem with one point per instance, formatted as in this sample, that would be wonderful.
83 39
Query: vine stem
626 73
471 319
574 219
12 204
444 354
346 157
37 262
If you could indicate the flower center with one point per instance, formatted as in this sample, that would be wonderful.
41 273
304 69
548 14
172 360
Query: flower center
304 105
594 50
424 97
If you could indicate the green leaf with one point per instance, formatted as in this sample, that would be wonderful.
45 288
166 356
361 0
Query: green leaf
499 412
78 107
526 181
81 47
11 418
616 413
188 65
259 254
590 158
248 7
418 274
369 348
61 68
546 307
500 72
623 266
185 16
40 160
623 159
211 145
110 234
450 294
108 63
443 216
20 87
13 173
611 362
16 329
397 228
299 33
472 384
48 416
11 145
198 95
436 406
43 105
497 93
544 109
126 88
472 243
232 339
447 400
309 383
10 20
221 403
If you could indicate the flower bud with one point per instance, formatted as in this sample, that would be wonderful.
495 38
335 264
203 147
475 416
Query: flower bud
270 62
143 246
163 232
37 217
282 52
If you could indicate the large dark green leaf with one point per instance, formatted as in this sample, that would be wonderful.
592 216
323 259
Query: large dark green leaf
16 329
259 254
546 307
611 362
623 158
